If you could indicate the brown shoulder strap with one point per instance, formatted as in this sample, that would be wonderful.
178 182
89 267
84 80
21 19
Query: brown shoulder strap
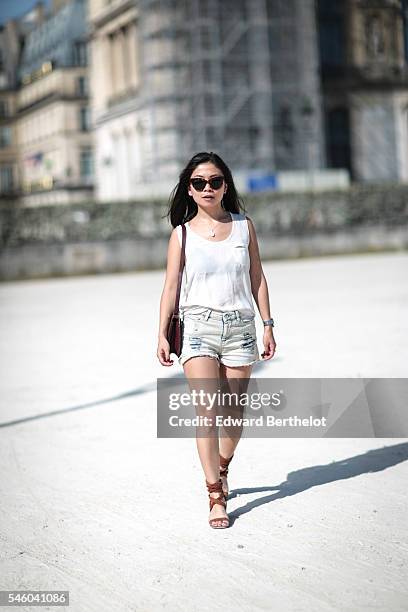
182 260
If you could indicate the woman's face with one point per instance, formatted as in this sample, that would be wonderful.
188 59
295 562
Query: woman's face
210 197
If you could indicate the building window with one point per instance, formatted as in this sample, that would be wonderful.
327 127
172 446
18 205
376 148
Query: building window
86 163
3 109
6 179
84 119
5 137
80 54
339 143
331 33
82 86
284 126
404 11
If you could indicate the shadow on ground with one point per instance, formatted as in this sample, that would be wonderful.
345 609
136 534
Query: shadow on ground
147 388
374 460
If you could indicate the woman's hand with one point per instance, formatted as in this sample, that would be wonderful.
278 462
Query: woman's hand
163 351
269 344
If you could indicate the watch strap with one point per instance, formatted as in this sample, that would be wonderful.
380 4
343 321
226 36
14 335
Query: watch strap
269 322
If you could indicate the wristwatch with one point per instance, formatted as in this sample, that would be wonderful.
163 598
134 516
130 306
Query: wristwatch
269 322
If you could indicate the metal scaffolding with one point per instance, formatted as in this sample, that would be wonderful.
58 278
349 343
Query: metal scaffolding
211 82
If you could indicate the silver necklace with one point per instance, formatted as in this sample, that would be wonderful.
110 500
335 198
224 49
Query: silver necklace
212 232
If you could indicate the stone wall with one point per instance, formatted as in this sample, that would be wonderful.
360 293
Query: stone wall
98 238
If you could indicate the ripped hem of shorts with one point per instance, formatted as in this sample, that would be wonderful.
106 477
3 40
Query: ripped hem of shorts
240 365
204 355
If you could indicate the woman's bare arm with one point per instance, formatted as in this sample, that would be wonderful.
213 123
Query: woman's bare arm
168 297
259 285
260 292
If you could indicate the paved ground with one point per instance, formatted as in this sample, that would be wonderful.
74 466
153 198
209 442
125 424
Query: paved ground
92 502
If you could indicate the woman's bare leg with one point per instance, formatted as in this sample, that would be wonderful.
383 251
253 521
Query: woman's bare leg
206 369
233 380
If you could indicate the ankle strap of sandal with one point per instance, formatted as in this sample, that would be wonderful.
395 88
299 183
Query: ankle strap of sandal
214 487
224 463
217 500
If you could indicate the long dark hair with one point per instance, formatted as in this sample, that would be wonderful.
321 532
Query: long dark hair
182 207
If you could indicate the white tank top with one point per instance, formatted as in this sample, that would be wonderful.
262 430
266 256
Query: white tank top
216 274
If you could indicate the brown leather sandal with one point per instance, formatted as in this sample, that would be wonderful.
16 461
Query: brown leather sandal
224 463
216 487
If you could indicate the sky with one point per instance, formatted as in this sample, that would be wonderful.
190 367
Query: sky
16 8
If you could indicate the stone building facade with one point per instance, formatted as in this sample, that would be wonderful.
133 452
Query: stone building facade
364 65
170 78
11 35
118 94
53 122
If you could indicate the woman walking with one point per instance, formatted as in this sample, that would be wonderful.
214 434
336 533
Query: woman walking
222 274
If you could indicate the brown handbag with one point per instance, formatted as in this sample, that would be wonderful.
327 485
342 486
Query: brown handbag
175 329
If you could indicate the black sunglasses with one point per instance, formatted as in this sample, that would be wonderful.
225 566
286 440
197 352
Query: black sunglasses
199 183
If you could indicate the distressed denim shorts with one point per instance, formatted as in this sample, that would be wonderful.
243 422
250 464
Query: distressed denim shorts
226 336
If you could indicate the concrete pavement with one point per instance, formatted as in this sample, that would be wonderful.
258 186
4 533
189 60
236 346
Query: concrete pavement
92 502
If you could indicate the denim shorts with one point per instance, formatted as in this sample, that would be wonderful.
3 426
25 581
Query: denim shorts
228 337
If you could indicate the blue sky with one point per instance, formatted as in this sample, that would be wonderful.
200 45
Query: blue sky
16 8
